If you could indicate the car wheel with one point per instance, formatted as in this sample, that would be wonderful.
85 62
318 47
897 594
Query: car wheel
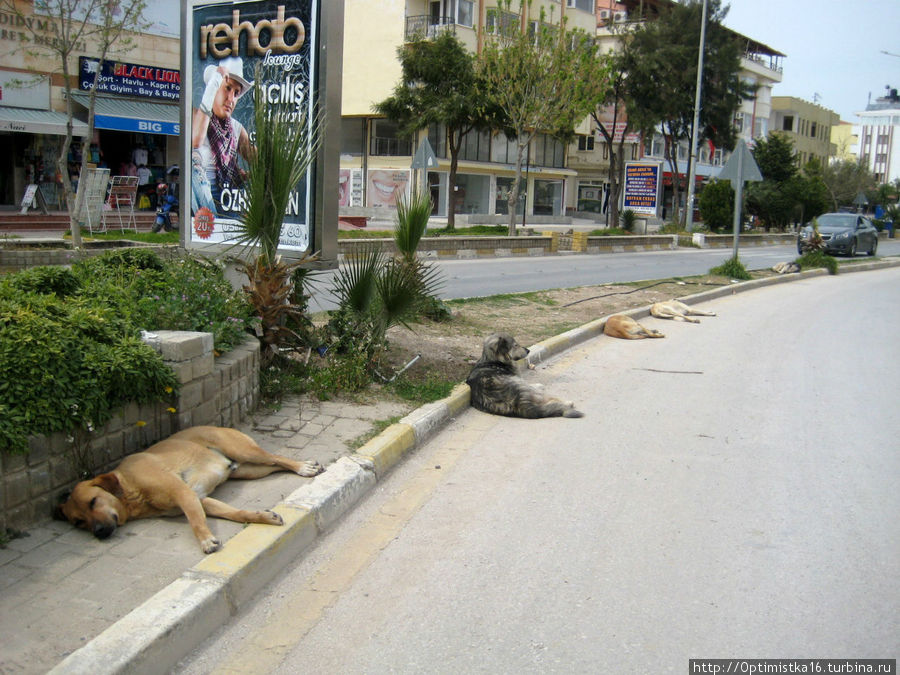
874 247
852 252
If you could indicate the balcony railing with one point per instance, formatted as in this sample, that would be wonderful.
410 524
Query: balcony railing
424 27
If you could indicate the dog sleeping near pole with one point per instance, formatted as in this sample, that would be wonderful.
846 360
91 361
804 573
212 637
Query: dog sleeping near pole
176 476
496 387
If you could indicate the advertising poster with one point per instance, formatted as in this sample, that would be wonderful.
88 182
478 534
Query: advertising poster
237 47
641 193
385 186
350 186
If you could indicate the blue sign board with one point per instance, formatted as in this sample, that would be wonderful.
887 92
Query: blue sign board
141 126
130 79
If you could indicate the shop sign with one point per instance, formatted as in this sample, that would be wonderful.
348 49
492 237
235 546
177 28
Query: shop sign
269 47
140 126
130 79
641 193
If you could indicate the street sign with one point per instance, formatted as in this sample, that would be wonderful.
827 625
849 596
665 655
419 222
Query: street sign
424 157
740 166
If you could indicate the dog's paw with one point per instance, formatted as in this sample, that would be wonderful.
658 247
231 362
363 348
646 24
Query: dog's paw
210 545
272 518
310 468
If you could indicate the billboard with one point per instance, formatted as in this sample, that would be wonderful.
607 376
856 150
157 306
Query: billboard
642 187
234 48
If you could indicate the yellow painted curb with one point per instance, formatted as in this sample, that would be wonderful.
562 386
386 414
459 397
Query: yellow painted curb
386 449
242 552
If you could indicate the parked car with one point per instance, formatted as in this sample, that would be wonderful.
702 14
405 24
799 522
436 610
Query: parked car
842 234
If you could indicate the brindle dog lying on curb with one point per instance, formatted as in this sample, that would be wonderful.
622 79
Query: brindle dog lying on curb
497 389
176 476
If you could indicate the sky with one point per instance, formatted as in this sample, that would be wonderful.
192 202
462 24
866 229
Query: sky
833 47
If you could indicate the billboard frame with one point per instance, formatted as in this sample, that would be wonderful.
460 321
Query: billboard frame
327 52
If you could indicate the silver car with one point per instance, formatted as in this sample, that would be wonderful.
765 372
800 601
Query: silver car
843 234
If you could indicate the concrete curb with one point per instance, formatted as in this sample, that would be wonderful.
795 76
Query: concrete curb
157 634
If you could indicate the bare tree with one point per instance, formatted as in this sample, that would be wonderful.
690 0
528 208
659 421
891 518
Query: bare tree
105 26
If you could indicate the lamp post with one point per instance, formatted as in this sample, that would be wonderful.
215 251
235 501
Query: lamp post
689 221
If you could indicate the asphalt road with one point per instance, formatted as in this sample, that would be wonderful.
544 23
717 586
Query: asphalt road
730 493
478 278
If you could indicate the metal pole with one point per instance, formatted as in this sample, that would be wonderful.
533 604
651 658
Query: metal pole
738 198
693 172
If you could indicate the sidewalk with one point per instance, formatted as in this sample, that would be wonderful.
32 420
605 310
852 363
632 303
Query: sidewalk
60 587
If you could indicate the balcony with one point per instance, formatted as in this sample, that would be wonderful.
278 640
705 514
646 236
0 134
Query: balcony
427 27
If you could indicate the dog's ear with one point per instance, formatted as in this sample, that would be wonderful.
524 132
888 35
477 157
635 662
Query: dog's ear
57 508
109 482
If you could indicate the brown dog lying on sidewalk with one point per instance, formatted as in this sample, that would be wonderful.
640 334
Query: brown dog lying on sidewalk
496 388
622 326
176 476
674 309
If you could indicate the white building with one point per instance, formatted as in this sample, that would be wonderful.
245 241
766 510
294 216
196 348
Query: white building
879 137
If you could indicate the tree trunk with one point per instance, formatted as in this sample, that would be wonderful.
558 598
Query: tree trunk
514 193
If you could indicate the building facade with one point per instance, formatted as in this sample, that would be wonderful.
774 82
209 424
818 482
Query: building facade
879 137
809 126
376 160
137 118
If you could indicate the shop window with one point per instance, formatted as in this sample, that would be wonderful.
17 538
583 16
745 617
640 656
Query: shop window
473 193
547 197
501 200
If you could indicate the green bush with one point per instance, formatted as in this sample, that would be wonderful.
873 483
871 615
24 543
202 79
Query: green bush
732 268
70 347
66 365
815 259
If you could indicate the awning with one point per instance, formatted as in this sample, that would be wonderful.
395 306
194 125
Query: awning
38 122
122 114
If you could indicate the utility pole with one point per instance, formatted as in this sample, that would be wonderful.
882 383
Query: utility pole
692 177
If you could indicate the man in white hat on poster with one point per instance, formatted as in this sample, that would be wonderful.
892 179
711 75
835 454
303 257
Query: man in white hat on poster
217 138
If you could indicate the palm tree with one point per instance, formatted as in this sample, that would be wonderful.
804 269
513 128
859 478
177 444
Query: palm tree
282 154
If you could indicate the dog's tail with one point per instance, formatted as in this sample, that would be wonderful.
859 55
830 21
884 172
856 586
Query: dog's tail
571 412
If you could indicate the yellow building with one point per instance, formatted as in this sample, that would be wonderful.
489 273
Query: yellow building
375 161
808 125
845 139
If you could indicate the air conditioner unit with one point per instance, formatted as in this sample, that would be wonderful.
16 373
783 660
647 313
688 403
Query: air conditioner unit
604 13
620 16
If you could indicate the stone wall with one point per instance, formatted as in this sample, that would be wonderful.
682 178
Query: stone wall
220 391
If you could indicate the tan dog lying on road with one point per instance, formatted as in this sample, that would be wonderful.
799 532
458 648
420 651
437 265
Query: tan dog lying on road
673 309
622 326
176 476
496 388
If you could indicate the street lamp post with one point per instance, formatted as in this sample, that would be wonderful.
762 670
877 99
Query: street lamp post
693 172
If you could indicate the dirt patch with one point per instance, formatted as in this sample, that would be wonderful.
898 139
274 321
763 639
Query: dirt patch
448 349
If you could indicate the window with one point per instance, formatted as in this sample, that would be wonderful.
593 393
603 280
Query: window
455 11
812 130
788 124
353 135
476 147
548 151
386 141
739 122
585 143
503 150
437 136
497 20
583 5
